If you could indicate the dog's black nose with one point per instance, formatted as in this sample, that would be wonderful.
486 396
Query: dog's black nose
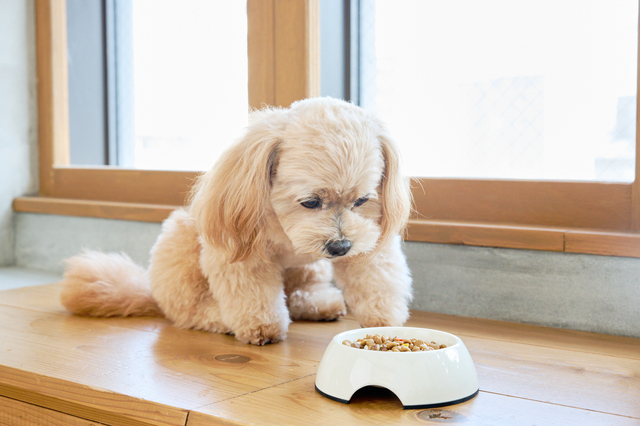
338 247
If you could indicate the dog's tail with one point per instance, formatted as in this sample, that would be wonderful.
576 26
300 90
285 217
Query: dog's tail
106 285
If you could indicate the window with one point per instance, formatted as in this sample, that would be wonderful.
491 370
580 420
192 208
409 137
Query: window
283 66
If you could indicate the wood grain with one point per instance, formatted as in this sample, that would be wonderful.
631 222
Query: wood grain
260 51
603 243
123 185
101 209
145 371
550 204
486 235
14 412
53 93
297 50
297 402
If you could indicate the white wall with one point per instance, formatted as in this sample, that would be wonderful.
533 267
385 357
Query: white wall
18 122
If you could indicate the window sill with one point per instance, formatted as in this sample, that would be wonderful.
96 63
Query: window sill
575 240
90 208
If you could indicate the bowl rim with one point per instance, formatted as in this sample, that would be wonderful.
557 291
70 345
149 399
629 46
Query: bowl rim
338 339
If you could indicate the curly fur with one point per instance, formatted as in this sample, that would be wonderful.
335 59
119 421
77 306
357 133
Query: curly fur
246 256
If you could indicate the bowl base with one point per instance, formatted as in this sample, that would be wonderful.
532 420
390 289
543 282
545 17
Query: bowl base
407 407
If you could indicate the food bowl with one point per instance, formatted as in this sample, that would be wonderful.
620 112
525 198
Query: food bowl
424 379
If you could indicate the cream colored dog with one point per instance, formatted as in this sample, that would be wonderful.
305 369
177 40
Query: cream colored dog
306 194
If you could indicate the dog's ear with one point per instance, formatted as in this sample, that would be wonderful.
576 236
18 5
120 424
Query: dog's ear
396 196
229 201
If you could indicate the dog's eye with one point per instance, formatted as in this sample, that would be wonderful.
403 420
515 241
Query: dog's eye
312 203
360 201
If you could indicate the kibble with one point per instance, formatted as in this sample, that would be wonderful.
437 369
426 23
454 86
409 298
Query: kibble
380 343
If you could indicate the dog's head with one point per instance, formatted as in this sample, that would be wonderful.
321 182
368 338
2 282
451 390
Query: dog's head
324 171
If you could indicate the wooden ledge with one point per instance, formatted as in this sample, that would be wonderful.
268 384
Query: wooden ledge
89 208
588 241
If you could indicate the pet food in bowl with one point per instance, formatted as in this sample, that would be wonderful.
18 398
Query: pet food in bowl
380 343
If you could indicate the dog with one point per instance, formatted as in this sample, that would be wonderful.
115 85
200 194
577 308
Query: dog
308 196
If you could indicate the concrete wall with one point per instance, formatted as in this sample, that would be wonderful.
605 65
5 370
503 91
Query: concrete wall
18 110
576 291
44 241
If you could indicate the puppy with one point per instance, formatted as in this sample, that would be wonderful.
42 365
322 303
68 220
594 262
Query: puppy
308 194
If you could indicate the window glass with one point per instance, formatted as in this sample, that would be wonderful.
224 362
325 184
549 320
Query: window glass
542 89
156 84
189 80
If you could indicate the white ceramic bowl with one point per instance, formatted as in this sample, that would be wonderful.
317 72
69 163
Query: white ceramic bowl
424 379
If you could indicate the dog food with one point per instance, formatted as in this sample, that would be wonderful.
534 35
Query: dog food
377 342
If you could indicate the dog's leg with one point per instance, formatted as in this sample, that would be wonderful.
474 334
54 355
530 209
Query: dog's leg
310 294
250 296
378 292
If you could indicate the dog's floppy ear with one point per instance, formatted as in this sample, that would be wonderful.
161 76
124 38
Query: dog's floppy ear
229 201
396 196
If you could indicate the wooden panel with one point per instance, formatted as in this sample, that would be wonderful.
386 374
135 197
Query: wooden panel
515 369
586 241
296 50
122 185
101 209
128 370
608 244
558 204
260 49
15 412
297 402
475 234
53 96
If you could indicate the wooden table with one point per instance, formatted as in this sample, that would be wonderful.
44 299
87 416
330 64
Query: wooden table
56 368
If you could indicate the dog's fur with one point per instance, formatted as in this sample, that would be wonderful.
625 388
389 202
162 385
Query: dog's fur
246 256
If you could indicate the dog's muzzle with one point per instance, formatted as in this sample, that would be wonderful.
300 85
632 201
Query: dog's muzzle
338 247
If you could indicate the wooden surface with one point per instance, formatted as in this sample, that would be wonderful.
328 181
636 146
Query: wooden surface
56 368
53 89
90 208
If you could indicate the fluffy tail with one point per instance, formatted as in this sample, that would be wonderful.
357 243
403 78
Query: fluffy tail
106 285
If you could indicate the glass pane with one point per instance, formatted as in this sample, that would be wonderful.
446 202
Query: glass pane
190 81
159 84
505 89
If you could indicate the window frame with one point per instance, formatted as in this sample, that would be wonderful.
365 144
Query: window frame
282 42
284 65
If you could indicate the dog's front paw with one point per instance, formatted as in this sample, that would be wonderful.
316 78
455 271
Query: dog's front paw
382 317
324 305
262 334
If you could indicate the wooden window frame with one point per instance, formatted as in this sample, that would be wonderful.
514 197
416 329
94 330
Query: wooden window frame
283 50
